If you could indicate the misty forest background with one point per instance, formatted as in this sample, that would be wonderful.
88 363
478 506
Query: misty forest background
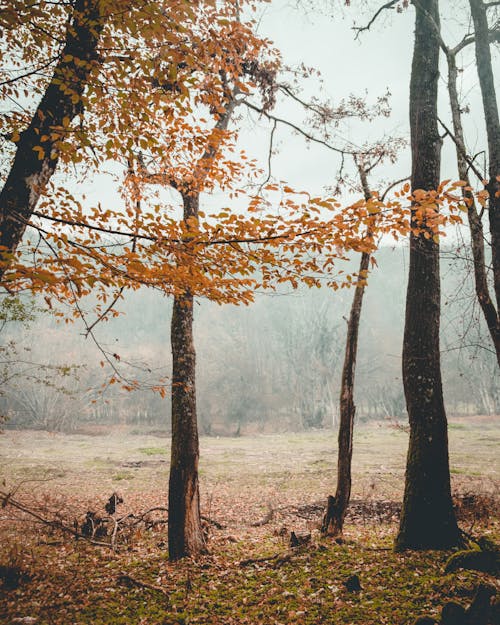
273 366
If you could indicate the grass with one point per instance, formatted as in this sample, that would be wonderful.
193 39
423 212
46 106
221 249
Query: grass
153 451
74 582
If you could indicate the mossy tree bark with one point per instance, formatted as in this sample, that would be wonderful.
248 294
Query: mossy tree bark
428 519
185 534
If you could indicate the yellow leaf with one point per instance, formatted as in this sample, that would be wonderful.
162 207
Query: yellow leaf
40 151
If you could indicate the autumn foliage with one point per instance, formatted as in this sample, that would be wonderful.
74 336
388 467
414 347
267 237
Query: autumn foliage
149 99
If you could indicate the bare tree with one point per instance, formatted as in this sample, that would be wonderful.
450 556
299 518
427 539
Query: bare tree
490 107
337 506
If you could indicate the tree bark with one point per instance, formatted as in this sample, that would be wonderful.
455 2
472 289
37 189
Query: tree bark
333 522
490 106
428 519
37 151
185 534
490 312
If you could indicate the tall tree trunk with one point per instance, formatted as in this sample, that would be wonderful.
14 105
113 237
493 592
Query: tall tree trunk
37 151
490 312
185 535
428 519
333 521
487 84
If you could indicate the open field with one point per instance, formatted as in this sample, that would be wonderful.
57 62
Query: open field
67 581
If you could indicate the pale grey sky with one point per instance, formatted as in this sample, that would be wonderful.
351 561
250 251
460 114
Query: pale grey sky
379 60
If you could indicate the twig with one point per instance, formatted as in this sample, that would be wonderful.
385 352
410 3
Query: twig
464 154
128 580
392 185
269 158
7 500
300 130
30 73
267 519
387 5
213 522
114 533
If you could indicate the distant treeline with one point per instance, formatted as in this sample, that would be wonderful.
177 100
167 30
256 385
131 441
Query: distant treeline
274 365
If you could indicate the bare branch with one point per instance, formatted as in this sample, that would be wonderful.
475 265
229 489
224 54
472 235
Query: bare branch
269 158
128 580
391 186
30 73
7 500
301 131
387 5
464 154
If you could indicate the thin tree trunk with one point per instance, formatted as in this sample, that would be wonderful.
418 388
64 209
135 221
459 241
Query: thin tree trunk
487 84
490 312
333 521
427 519
185 534
37 152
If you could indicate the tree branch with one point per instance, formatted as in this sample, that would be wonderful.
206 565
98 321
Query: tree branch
387 5
302 132
30 73
462 151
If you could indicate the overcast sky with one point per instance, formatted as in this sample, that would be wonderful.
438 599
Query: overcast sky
379 60
320 34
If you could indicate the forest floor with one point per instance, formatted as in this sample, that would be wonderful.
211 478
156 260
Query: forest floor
255 491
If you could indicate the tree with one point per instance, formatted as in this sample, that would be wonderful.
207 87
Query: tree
490 107
38 145
185 533
40 388
333 522
428 519
464 163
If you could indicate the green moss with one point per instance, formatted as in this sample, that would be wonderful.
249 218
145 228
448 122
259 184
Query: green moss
153 451
118 477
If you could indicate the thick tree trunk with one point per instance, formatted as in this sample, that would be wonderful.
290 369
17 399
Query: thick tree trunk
37 149
428 519
490 312
185 535
333 521
487 84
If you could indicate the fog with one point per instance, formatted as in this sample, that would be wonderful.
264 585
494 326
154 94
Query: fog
272 366
276 364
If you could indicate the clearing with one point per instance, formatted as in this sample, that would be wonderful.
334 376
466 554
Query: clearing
63 580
